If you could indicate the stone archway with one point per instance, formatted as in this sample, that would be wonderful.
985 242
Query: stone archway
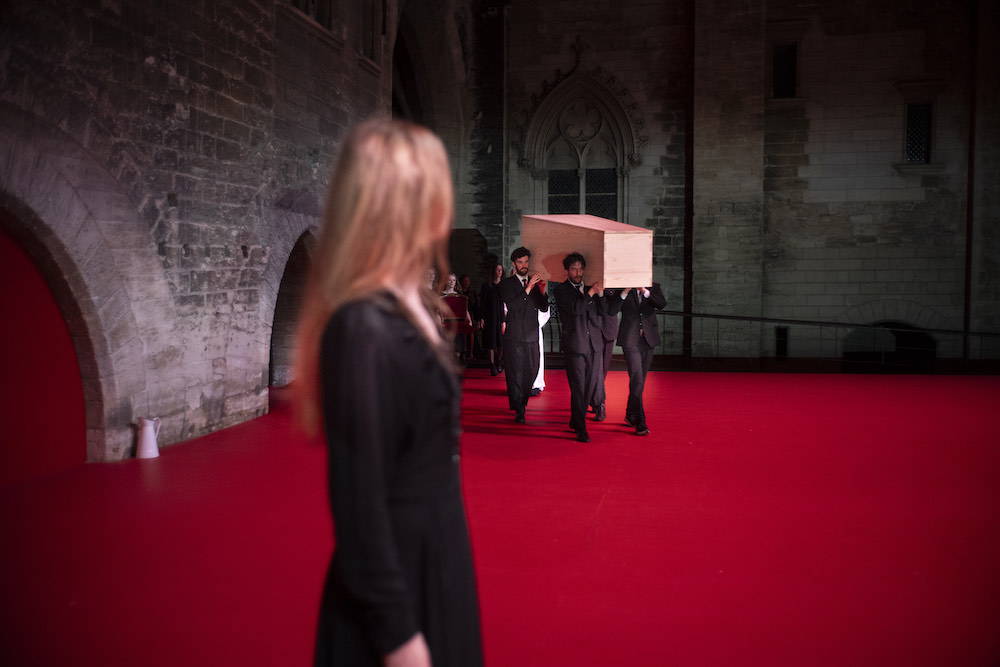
889 347
894 335
293 221
286 310
80 230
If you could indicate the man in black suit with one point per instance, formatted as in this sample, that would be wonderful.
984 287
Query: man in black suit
523 297
609 332
638 335
580 311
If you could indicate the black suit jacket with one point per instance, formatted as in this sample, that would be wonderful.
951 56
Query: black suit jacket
522 309
640 316
580 316
609 322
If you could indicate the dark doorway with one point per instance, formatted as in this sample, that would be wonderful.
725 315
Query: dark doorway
889 347
286 313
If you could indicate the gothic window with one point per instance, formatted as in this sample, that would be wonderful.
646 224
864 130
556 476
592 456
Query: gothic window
582 163
564 191
579 145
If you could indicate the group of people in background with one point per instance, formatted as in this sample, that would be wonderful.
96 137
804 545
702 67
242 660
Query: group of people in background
515 308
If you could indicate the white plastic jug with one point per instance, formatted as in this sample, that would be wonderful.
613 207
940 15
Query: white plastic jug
148 430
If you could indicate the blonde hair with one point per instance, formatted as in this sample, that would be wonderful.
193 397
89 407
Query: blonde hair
388 215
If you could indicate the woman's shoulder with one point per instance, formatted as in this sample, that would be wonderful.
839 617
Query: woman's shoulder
371 317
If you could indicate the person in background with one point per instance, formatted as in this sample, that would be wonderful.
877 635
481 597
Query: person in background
374 372
456 317
473 350
638 336
523 297
450 286
491 318
464 287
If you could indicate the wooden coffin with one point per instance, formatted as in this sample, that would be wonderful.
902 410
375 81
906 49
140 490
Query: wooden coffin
620 255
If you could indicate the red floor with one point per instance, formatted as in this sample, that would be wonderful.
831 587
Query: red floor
768 520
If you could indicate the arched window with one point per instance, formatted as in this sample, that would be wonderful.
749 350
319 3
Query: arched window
579 147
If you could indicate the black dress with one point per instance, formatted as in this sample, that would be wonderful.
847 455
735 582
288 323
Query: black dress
491 312
402 561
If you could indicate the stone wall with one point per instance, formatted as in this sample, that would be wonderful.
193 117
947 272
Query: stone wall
853 232
801 208
168 157
728 155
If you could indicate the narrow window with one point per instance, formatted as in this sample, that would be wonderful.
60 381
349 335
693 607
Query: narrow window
784 69
919 119
320 11
564 192
602 193
371 27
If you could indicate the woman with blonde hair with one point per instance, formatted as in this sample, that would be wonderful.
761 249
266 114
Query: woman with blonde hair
374 372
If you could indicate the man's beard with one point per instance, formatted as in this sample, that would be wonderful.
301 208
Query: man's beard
522 272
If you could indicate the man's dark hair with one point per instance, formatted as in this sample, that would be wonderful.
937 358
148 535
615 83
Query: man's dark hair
572 258
519 253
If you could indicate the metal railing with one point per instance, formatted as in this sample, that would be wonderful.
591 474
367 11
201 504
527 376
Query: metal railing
823 345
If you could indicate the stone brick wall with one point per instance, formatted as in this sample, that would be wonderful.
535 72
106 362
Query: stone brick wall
728 173
169 156
853 234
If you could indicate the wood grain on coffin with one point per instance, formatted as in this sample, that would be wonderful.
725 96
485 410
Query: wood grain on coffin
618 254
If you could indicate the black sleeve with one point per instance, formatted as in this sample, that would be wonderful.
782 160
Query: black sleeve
541 300
613 299
656 297
357 374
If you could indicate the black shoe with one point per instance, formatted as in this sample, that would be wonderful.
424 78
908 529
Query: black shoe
519 417
582 436
600 414
536 391
493 370
631 421
641 430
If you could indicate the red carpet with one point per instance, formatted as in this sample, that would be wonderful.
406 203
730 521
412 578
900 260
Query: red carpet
768 520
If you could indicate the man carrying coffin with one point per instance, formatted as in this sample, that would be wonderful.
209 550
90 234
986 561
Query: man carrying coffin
638 335
581 310
524 297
